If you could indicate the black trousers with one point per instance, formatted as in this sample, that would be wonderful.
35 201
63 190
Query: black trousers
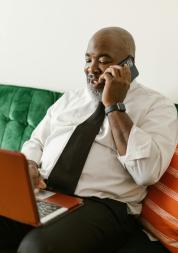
98 226
140 243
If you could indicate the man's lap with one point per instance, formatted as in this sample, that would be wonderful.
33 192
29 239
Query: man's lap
91 228
94 227
98 226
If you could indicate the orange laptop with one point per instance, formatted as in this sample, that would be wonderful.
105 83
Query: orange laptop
17 198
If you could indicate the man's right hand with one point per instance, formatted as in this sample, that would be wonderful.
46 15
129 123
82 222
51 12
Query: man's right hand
37 180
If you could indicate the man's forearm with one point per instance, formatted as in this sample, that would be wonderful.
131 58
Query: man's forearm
121 125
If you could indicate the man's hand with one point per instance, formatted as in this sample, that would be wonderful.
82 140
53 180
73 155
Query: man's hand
37 180
117 82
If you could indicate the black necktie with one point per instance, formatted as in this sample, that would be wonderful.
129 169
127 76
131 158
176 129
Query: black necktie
67 170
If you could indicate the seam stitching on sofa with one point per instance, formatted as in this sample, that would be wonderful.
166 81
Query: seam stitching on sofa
3 132
20 142
29 109
8 113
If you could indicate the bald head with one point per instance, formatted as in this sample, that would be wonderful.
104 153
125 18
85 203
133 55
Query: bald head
107 47
121 39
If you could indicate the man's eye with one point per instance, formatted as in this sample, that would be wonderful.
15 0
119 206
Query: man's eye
104 61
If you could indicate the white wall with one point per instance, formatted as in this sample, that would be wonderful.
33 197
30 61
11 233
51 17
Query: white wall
42 42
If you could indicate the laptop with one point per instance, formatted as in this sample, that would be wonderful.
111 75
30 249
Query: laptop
18 200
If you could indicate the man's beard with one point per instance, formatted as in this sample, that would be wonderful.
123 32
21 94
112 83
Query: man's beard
96 94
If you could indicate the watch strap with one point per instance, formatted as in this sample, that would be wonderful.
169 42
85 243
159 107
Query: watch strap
115 107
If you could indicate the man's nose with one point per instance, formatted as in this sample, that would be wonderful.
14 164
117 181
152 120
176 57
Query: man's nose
93 68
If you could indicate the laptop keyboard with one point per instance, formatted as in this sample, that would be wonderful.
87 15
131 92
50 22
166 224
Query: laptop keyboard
45 208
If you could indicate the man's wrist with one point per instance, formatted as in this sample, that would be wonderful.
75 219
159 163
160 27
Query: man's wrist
32 163
115 107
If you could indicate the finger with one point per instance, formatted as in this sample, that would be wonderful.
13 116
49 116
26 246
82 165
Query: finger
35 181
101 78
115 72
116 67
35 176
107 77
121 71
41 184
127 72
36 191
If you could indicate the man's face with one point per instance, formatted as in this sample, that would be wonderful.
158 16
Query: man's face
102 52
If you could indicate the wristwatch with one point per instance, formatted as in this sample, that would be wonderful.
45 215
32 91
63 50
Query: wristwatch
115 107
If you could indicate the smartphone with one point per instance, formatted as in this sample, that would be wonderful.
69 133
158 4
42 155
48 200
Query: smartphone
133 69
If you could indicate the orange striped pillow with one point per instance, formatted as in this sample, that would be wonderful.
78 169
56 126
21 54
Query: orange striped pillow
160 208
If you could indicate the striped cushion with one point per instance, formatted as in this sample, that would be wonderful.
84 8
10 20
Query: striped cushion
160 207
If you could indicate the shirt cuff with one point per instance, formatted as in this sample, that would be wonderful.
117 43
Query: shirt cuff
32 155
138 146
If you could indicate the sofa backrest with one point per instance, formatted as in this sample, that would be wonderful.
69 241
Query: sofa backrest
21 109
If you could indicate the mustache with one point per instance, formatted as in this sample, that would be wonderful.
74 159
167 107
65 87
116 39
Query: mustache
92 76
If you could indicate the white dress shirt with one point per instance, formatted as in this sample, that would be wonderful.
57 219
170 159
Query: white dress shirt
106 174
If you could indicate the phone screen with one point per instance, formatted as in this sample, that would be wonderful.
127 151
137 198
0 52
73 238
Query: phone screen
133 69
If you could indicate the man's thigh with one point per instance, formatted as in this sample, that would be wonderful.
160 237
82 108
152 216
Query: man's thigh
91 228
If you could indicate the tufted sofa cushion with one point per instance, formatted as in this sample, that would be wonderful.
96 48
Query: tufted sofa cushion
21 109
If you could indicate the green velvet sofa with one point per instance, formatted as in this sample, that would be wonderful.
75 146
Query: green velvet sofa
21 109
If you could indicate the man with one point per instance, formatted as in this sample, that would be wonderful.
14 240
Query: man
131 151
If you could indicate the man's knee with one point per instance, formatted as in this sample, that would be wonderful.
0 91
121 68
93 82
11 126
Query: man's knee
34 242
